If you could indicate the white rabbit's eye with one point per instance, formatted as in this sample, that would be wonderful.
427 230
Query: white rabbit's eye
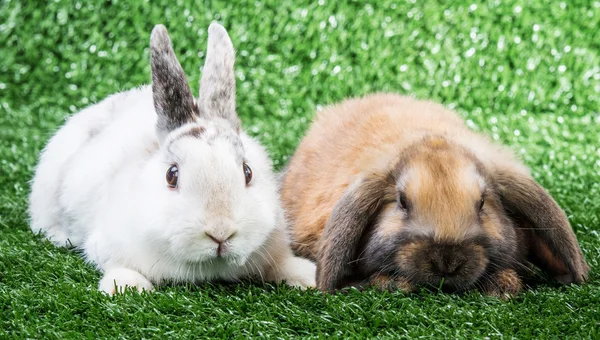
172 176
247 173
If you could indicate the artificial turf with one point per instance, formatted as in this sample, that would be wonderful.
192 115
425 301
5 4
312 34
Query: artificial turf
525 72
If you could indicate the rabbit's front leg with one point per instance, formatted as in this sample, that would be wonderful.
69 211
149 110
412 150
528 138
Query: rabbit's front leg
116 279
295 271
385 282
503 284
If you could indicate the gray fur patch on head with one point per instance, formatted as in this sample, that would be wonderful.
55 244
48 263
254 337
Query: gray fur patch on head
171 93
195 132
210 131
217 85
238 147
187 131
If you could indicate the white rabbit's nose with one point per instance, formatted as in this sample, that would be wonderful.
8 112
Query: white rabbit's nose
219 237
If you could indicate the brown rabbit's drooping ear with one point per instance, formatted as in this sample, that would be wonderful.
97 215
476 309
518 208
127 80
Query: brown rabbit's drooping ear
551 242
341 237
171 92
217 85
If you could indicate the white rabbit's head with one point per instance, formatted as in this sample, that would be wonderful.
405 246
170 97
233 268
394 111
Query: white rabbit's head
215 192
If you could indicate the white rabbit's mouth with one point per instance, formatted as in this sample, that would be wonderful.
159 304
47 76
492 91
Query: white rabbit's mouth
224 258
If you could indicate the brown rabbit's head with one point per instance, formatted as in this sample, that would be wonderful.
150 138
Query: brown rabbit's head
439 217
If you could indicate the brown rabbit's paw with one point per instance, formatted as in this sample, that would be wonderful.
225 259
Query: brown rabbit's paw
386 283
504 284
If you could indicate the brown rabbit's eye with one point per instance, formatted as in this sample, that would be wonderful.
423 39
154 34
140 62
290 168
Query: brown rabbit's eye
247 173
480 207
402 201
172 176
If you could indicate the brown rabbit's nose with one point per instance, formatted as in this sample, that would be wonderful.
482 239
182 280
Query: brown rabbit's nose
444 264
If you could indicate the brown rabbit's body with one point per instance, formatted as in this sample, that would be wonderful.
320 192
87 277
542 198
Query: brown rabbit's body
356 137
348 184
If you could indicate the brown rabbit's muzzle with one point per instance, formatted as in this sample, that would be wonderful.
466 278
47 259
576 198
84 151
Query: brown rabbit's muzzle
426 262
453 265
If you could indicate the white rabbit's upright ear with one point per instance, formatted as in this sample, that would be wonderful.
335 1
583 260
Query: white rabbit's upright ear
217 85
171 92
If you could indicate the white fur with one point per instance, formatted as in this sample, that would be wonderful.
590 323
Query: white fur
100 186
116 279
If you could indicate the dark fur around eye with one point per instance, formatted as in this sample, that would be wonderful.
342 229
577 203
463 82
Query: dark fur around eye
402 200
480 204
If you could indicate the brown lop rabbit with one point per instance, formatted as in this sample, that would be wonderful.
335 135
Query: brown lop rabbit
400 193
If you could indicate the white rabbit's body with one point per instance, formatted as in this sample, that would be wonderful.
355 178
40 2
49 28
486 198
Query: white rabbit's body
100 187
74 178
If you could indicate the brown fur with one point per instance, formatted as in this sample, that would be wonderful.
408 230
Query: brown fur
552 246
387 283
405 254
347 225
342 185
448 202
504 284
368 137
389 220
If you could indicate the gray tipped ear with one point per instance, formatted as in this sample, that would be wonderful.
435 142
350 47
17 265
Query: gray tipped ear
217 85
551 243
172 96
340 240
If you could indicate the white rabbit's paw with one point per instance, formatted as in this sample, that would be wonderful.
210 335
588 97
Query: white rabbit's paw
300 273
115 280
58 236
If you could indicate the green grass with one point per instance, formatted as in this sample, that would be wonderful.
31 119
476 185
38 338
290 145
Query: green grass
526 72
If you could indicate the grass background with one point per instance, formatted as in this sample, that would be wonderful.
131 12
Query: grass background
526 72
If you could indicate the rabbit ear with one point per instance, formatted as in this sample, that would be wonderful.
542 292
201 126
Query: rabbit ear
217 85
341 238
172 96
551 242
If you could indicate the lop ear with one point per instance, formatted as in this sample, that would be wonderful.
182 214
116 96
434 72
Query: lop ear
171 93
551 243
340 240
217 84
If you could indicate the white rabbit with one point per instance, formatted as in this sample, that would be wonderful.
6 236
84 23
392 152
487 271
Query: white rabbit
155 186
